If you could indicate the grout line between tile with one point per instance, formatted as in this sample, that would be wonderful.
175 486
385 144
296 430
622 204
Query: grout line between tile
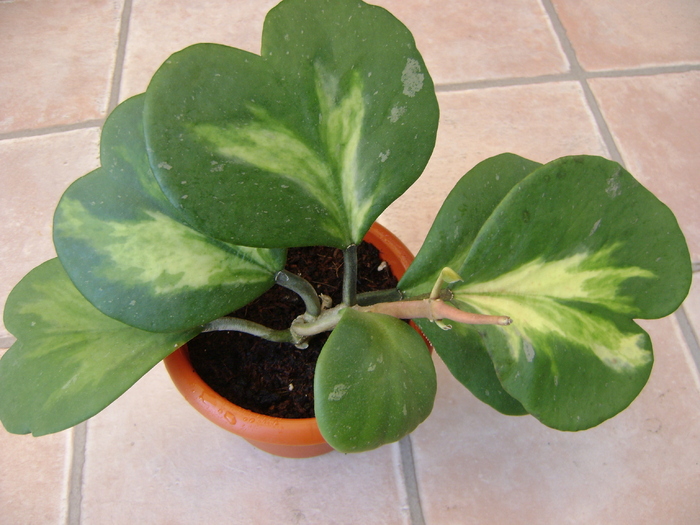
580 75
564 77
689 335
25 133
505 82
408 469
75 482
569 76
642 71
121 54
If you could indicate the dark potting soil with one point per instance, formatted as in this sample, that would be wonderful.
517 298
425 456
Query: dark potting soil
277 379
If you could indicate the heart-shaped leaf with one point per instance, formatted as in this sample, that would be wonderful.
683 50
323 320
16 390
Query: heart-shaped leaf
572 254
374 382
70 360
130 252
304 145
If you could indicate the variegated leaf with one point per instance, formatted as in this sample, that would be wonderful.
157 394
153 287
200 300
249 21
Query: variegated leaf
304 145
70 360
572 254
466 208
130 252
470 203
374 382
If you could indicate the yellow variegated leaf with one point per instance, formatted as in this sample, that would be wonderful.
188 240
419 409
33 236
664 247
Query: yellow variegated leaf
133 255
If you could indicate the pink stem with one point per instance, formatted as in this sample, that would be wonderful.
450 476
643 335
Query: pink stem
434 309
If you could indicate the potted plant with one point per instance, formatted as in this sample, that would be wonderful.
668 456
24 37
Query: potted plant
527 285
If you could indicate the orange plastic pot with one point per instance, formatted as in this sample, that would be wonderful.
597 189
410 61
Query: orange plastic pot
291 438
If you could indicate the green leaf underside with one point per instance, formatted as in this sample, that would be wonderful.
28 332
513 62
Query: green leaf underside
572 254
306 144
465 354
131 253
70 361
374 382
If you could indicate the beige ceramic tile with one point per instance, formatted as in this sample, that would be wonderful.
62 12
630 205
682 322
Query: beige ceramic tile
159 28
467 40
57 61
476 466
455 40
33 479
655 121
540 122
35 172
151 458
692 306
629 33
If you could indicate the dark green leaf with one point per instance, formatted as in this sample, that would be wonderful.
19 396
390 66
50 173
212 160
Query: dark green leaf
130 252
470 203
461 216
572 254
465 354
374 383
306 144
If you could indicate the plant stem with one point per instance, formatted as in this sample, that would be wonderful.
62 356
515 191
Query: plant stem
350 275
434 310
235 324
379 296
303 288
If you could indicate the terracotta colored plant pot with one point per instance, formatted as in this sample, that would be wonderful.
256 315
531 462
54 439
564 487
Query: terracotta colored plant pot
292 438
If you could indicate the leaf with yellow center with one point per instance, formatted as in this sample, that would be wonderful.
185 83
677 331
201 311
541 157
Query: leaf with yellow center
572 253
132 254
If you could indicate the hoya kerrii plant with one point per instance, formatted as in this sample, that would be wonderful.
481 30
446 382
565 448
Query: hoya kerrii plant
527 285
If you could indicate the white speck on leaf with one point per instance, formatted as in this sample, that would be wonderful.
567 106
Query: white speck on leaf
529 350
184 196
339 392
412 78
165 165
384 156
595 227
396 113
613 189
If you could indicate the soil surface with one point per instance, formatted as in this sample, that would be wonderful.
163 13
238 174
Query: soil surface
277 379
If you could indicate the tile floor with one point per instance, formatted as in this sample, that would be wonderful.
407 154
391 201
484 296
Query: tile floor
541 78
